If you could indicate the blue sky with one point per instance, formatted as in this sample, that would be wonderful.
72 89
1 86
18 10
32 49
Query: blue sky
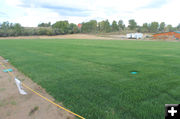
33 12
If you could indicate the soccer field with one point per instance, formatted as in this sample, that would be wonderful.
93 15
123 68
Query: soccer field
93 77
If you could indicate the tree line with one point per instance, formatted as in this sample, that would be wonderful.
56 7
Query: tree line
119 26
60 27
92 26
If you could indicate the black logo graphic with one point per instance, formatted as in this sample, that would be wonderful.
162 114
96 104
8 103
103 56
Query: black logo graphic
172 111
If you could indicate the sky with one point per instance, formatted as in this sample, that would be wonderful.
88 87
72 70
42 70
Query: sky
30 13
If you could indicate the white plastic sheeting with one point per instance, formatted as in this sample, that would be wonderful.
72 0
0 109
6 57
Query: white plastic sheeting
18 83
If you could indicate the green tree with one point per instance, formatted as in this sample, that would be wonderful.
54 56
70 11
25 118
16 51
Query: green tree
132 24
101 26
89 27
6 25
73 28
61 27
93 27
114 26
138 28
10 29
44 24
121 25
154 26
162 26
169 28
42 31
18 30
105 26
145 28
178 27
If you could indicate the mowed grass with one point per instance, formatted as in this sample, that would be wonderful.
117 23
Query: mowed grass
92 77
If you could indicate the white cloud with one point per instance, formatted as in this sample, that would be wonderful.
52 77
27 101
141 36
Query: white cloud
36 11
13 2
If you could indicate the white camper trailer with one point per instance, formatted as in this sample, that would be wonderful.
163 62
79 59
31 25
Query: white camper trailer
134 36
128 36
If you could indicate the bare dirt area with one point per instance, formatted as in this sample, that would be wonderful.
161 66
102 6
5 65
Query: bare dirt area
87 36
68 36
74 36
13 105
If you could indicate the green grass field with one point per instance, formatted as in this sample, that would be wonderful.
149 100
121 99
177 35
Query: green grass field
92 77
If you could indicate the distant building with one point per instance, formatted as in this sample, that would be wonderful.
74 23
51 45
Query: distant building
134 36
167 36
79 26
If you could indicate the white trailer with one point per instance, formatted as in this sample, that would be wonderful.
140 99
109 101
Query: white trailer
129 36
134 36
